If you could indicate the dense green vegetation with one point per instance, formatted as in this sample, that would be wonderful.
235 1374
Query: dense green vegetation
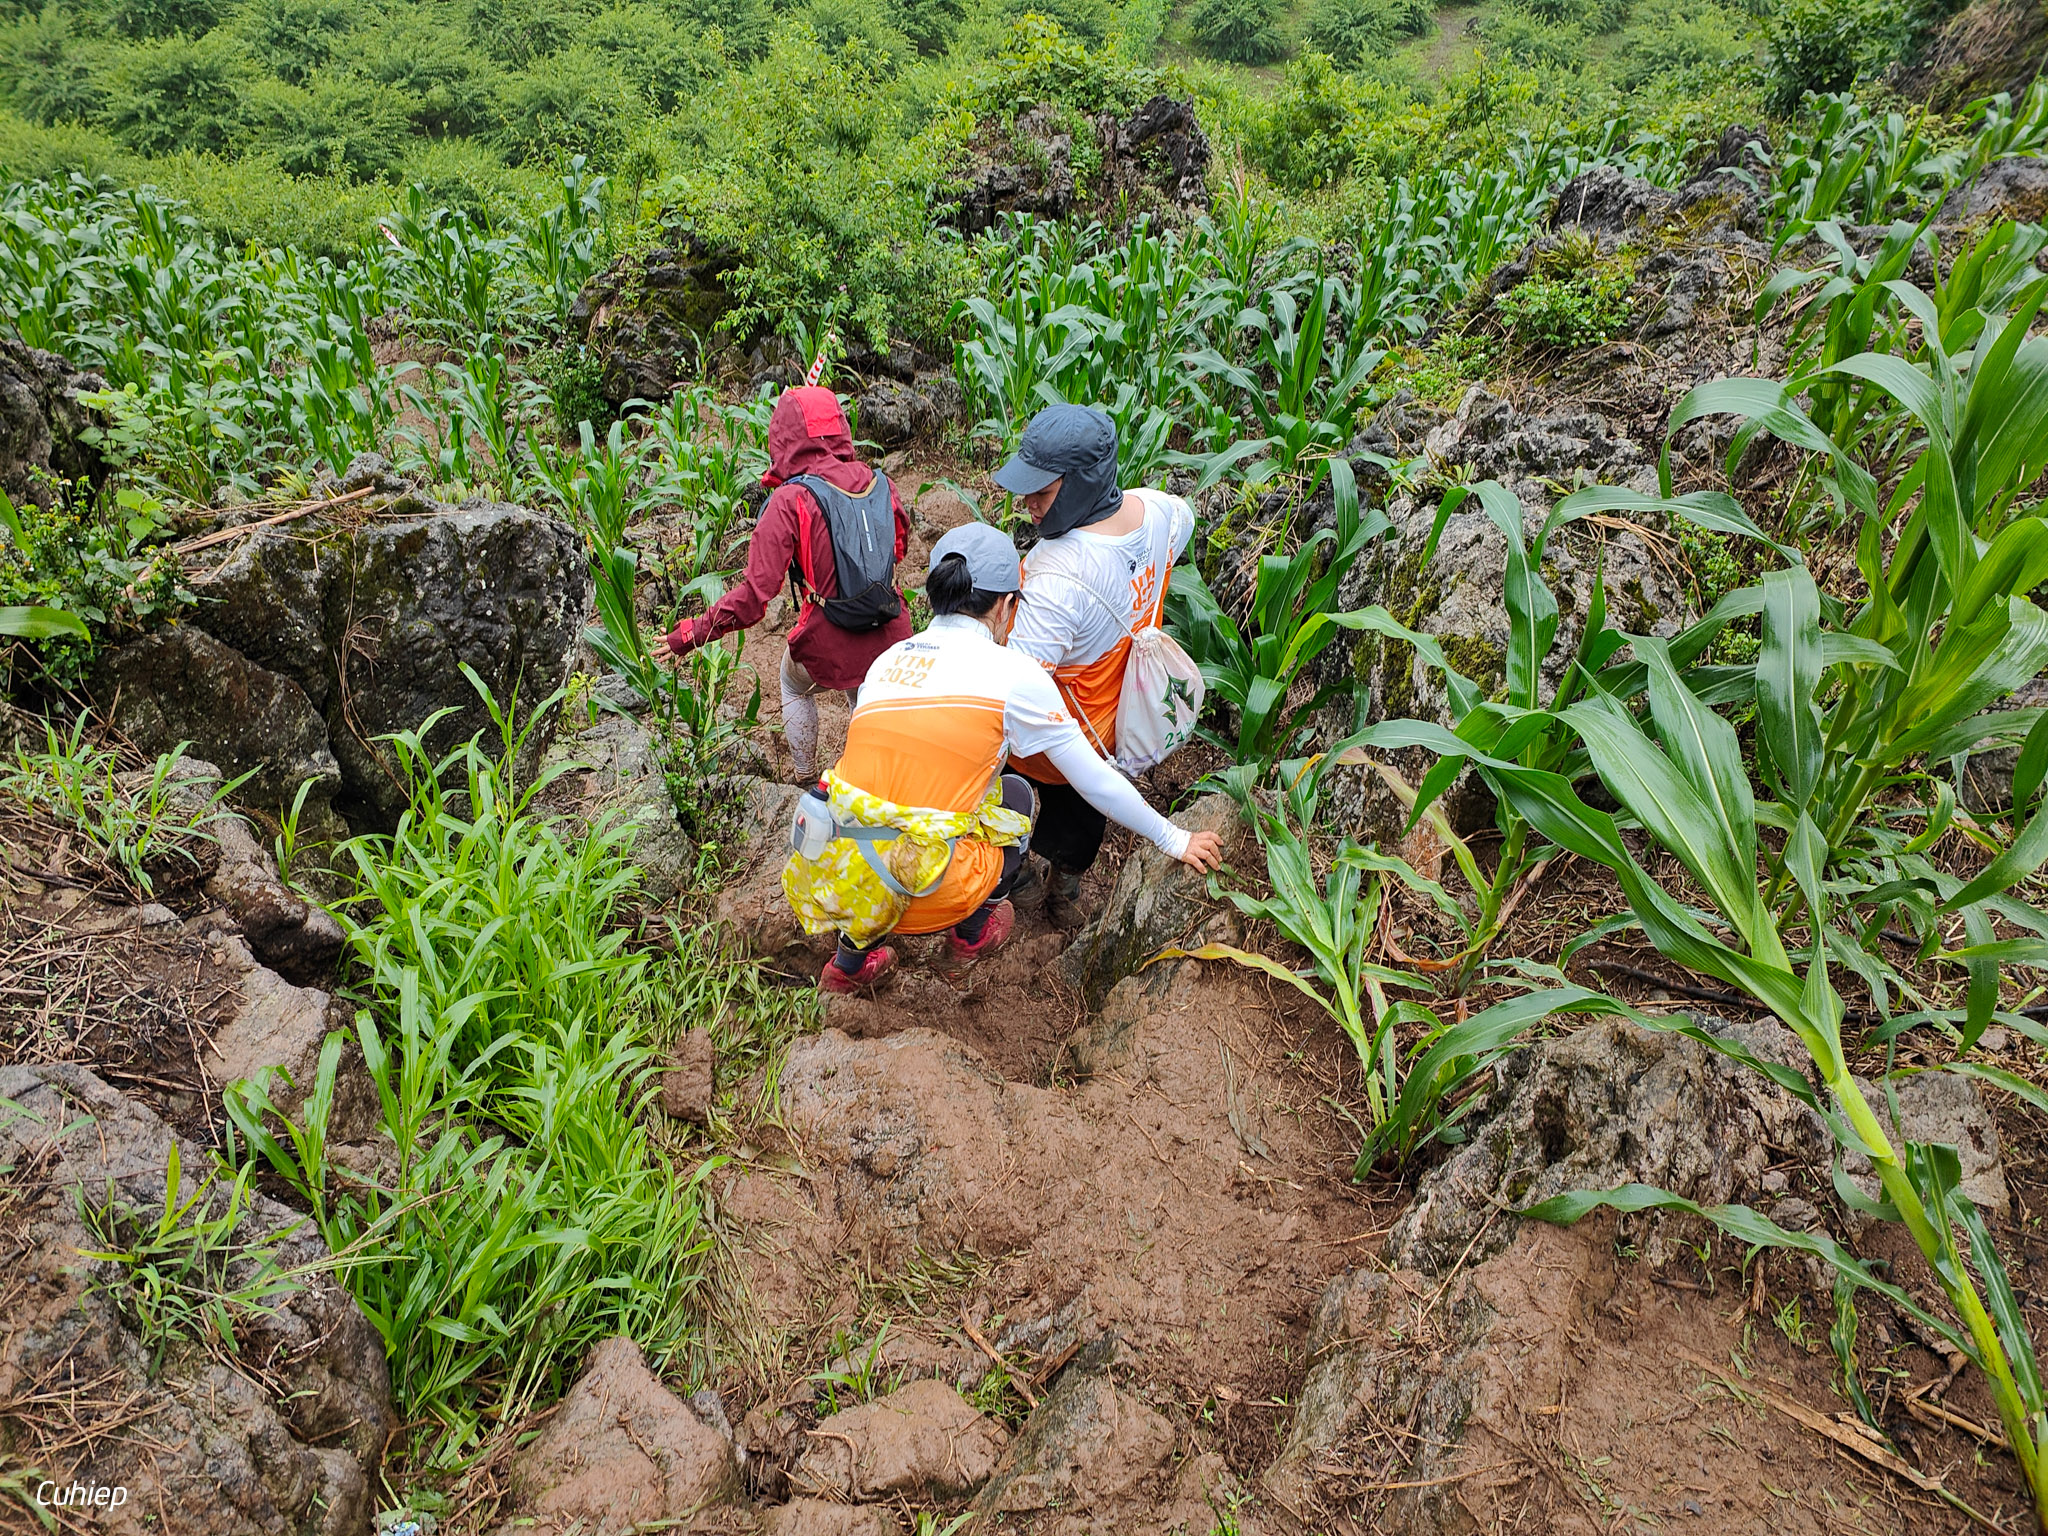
331 177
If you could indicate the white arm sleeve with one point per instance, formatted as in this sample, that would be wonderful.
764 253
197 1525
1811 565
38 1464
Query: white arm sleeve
1114 795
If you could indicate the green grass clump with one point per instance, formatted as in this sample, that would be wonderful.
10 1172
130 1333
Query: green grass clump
524 1212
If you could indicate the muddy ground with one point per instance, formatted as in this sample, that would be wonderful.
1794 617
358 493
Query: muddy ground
974 1163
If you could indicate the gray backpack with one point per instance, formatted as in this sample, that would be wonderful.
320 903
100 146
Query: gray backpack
863 530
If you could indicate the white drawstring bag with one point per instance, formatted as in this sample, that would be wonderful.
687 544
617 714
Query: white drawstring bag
1162 700
1162 689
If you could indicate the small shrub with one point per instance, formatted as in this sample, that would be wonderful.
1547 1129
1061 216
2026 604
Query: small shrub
1815 45
574 376
1530 40
1301 141
1039 60
88 556
1668 40
1242 31
341 125
576 103
517 33
1572 300
162 18
51 69
296 39
743 26
1353 31
178 93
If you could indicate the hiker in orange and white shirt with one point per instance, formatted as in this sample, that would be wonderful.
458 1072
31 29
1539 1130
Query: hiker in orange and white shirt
1096 576
896 847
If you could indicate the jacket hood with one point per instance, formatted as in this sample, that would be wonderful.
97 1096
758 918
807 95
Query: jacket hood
807 435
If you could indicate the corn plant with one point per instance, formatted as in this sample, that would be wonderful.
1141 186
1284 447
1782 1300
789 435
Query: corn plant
1851 165
558 248
143 824
1318 377
1845 703
1524 721
1013 366
1254 666
1685 786
1335 920
1861 305
188 1274
1947 628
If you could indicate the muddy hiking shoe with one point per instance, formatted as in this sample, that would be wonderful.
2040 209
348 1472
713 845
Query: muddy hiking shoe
1063 898
877 965
1029 891
994 931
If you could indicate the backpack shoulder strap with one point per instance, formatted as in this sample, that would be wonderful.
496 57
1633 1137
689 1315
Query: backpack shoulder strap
805 559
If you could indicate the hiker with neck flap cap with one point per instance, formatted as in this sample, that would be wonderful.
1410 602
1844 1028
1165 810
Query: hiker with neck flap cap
917 829
834 530
1096 593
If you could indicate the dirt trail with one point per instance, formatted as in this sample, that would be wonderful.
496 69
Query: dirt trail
1189 1195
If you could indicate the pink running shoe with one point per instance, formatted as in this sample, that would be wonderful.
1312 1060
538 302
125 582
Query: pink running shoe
873 969
1000 923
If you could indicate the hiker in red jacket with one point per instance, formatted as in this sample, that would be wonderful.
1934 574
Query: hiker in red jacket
824 522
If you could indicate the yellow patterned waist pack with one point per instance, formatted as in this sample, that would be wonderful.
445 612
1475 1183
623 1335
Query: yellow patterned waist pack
861 886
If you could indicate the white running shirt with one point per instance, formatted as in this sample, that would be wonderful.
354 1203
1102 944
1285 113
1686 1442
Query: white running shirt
1058 626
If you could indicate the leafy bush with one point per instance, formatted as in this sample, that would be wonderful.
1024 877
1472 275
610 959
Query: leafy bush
1352 31
743 26
1570 312
296 39
1243 31
1038 60
574 378
577 103
448 89
340 126
178 93
52 69
1668 40
665 65
1573 297
1814 46
1301 140
805 174
1530 40
93 557
161 18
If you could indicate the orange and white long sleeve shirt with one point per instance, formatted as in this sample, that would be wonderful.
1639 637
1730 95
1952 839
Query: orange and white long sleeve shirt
939 715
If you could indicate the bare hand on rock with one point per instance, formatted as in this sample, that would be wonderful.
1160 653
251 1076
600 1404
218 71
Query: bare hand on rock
1204 852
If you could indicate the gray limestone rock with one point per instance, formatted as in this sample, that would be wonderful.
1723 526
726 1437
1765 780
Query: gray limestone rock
920 1440
1155 902
42 423
1611 1103
2013 188
376 623
621 1450
207 1447
183 685
1086 1446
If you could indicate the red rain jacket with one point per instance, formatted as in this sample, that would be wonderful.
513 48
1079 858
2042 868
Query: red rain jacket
807 435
